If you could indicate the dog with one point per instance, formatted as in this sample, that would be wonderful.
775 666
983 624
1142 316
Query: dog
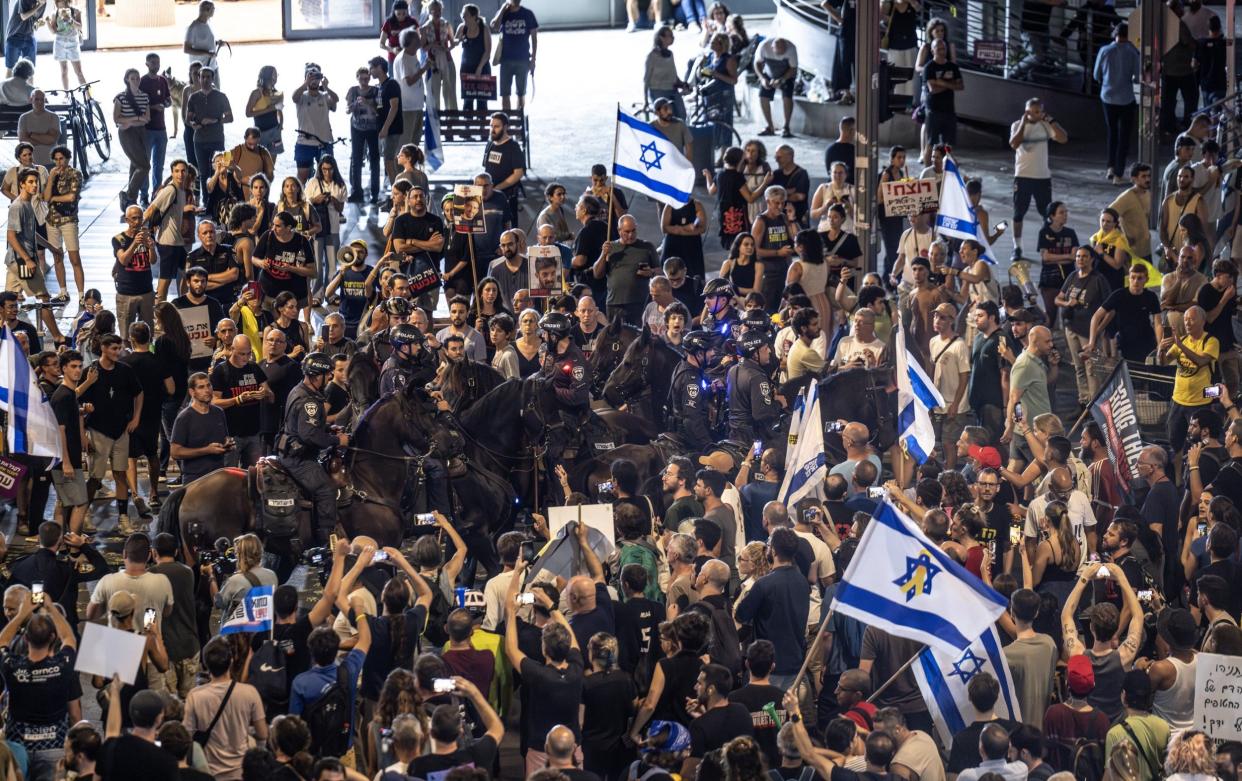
176 87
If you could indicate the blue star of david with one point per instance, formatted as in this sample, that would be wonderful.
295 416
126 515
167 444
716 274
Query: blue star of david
656 156
918 576
968 660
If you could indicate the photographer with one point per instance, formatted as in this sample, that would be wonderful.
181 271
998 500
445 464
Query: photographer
1109 660
41 684
63 561
200 434
249 552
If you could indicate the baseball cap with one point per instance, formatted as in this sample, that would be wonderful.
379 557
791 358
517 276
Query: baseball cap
946 309
986 455
718 460
1177 627
122 604
667 736
1080 675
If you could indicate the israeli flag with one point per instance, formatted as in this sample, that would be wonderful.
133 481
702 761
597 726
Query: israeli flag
956 218
32 425
917 396
806 466
646 161
432 149
253 613
943 679
901 582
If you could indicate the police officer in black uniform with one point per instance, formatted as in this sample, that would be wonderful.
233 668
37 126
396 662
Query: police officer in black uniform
410 362
380 345
567 369
690 390
305 434
721 315
754 411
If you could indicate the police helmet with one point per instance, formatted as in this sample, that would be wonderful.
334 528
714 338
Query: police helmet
719 287
557 324
751 342
757 320
405 333
698 341
397 306
316 364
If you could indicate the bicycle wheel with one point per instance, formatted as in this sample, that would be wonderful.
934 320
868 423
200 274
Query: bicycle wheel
100 136
80 157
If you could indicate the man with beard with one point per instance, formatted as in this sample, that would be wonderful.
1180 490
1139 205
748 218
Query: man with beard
1107 493
420 235
475 346
196 281
1119 547
509 270
505 162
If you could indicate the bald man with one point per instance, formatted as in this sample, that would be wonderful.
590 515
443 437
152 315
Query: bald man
1078 504
627 264
855 438
1029 378
565 755
1195 351
590 605
237 387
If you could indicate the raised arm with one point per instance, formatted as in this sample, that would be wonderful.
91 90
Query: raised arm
453 566
1072 645
511 644
593 565
322 609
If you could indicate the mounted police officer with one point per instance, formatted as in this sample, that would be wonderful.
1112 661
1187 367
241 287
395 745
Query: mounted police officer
690 389
396 309
567 369
754 411
305 435
720 315
410 362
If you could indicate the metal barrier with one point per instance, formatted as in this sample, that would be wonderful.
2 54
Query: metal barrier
1153 398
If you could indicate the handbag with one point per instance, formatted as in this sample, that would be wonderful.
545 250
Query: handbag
201 736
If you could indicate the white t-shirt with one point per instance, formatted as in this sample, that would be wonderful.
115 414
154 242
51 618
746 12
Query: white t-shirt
1080 514
822 568
913 245
772 60
200 36
413 96
313 117
1030 159
150 589
850 347
951 362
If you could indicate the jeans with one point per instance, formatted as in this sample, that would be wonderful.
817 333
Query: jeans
1119 129
248 450
1188 86
43 764
204 153
679 105
187 136
891 229
361 140
157 145
691 12
18 46
134 143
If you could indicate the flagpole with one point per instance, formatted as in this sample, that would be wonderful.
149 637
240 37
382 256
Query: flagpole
474 271
810 652
612 179
892 678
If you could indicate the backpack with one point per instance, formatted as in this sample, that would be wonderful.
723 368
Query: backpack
641 554
725 647
329 718
269 674
807 774
437 614
1082 757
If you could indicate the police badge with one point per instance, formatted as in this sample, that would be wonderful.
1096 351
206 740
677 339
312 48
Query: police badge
692 390
312 410
579 373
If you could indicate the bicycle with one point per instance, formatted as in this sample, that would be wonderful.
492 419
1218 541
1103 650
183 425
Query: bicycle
87 127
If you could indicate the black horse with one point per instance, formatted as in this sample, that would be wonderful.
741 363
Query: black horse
640 383
610 346
468 381
866 396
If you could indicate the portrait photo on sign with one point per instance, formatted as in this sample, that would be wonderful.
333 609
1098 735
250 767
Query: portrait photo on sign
544 271
467 208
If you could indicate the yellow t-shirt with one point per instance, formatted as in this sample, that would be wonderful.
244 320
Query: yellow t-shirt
1116 240
1191 379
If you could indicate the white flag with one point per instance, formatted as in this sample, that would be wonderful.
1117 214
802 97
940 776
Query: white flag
944 679
646 161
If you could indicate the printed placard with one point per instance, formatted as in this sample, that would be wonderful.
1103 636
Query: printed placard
910 196
467 206
545 276
197 322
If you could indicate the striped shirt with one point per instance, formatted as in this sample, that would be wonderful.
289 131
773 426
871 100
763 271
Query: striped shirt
133 106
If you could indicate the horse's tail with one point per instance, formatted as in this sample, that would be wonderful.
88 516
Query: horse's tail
170 515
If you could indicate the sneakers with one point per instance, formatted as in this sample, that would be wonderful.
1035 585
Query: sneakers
63 298
140 505
1015 256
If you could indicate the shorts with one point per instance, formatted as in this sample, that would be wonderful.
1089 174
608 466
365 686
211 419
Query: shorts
145 440
107 452
941 127
64 234
172 260
18 46
514 74
71 491
786 87
1024 189
306 156
389 146
35 286
66 49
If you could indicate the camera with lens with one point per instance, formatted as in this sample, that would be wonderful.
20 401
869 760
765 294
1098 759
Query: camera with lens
321 559
222 563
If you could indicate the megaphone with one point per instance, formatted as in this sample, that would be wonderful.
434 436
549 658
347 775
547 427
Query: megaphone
1021 271
349 254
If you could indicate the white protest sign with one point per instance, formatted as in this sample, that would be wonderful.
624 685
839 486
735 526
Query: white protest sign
597 517
104 651
910 196
1218 696
197 322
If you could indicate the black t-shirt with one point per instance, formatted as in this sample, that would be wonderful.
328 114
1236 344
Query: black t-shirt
558 693
941 101
434 767
1137 338
134 277
283 375
964 752
588 243
840 152
354 293
231 382
730 203
501 160
113 397
292 640
407 226
388 90
177 365
39 696
842 774
601 619
65 408
337 398
1058 242
637 620
795 181
607 697
755 698
151 372
126 757
717 727
280 257
1222 326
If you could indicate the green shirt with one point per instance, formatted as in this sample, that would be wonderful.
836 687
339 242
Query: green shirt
1153 738
1030 375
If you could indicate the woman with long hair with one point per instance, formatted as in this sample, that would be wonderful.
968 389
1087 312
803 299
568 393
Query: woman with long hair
1056 254
660 76
240 226
555 214
476 53
743 268
936 29
528 342
293 200
965 526
1190 757
326 193
486 303
398 696
743 760
758 173
249 553
1191 233
260 199
131 110
810 270
103 324
297 332
172 347
265 106
1057 556
717 21
834 191
608 695
223 191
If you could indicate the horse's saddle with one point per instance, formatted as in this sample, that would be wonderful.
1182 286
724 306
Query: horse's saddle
277 496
